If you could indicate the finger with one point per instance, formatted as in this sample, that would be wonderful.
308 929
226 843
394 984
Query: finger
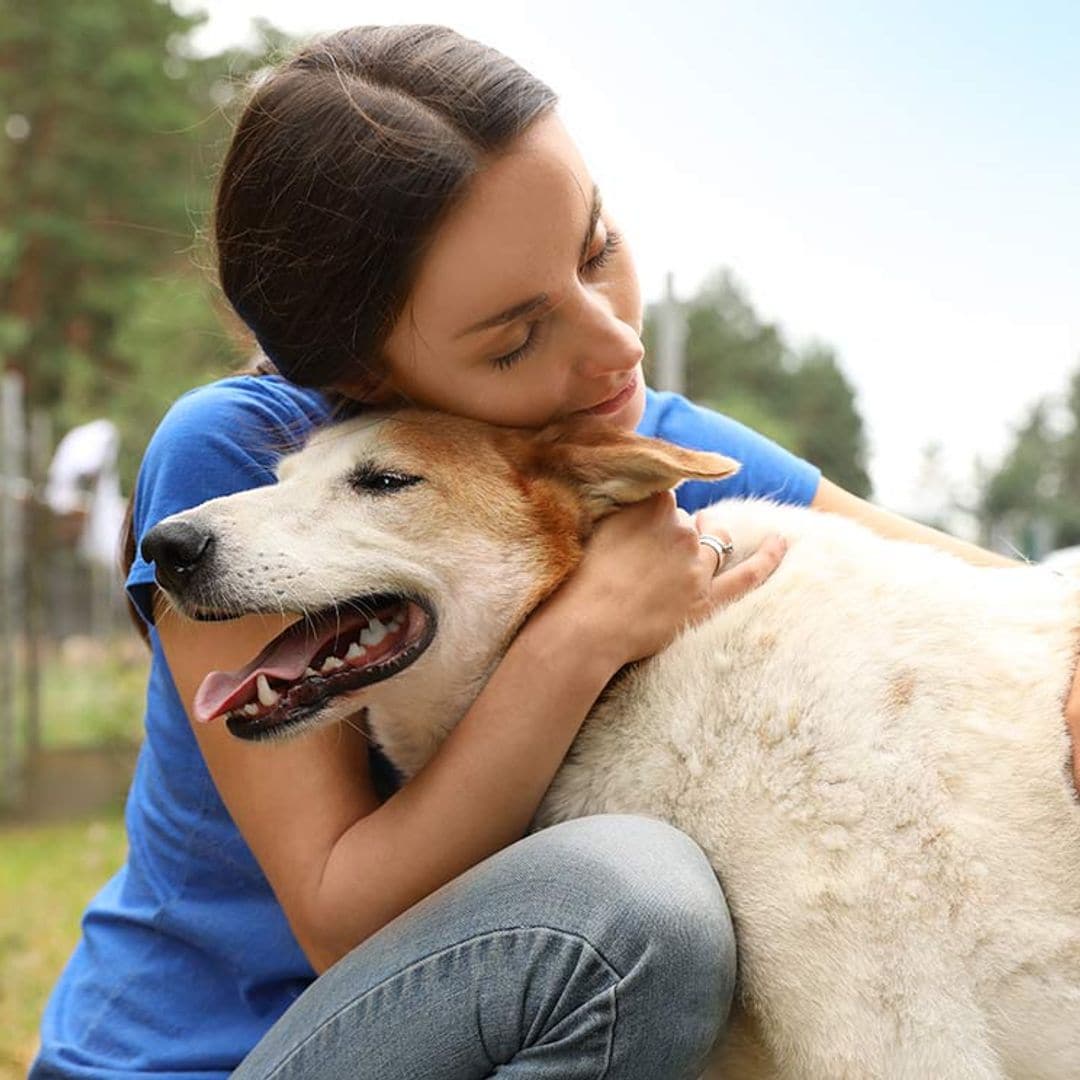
707 527
705 521
750 573
666 500
702 523
720 546
712 561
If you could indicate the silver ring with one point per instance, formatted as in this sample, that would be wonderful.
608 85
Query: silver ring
723 549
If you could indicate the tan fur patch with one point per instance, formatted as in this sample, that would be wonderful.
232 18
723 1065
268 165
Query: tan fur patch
900 691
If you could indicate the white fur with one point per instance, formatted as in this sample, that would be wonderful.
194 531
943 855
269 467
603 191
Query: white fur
869 747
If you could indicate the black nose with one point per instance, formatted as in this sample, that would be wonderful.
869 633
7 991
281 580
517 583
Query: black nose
176 548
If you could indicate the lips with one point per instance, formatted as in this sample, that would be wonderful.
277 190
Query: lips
612 404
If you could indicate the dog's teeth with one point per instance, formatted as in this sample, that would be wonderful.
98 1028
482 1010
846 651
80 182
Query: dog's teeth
251 709
308 672
373 633
355 652
332 663
267 696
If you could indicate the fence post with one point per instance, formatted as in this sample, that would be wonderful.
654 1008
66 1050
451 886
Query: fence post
669 372
14 491
40 548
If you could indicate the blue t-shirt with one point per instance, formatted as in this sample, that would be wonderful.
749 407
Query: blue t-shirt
186 958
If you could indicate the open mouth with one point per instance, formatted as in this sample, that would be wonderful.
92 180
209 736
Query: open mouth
326 654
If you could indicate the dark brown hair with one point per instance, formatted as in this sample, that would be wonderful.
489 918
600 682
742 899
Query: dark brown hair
343 161
340 168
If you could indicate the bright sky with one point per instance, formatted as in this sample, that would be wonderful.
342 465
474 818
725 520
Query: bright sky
901 181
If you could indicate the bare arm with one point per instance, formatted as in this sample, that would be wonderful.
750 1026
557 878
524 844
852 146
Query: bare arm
885 523
341 864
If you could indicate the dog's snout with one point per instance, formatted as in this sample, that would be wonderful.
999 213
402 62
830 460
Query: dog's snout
176 548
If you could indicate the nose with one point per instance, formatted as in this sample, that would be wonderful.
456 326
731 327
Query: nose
176 548
608 344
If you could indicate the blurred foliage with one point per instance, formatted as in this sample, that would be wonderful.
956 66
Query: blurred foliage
112 126
742 366
1021 483
1035 491
1067 508
92 692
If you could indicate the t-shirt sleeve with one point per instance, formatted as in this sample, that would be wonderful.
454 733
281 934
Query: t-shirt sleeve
768 471
216 440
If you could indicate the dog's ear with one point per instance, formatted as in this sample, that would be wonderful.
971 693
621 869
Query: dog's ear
612 468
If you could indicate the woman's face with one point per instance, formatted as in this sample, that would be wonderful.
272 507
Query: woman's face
526 308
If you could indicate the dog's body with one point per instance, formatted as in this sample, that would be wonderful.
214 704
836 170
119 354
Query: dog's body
869 747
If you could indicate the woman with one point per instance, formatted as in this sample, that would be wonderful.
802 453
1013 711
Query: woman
401 217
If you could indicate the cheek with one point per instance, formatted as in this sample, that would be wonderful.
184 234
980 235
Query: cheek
507 399
627 290
638 307
427 381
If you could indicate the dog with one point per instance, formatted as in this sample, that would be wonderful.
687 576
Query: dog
869 747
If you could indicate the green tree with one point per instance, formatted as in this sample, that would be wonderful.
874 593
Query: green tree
729 350
111 124
1067 506
742 366
829 429
1023 493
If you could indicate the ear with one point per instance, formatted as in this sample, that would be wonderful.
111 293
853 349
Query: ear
611 468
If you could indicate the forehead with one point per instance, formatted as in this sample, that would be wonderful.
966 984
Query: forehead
526 211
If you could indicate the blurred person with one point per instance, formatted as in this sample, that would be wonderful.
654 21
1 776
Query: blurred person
83 486
402 218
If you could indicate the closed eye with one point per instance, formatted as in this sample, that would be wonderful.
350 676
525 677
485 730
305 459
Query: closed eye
612 240
368 480
510 359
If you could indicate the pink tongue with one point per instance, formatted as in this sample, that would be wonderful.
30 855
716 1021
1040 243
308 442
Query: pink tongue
285 658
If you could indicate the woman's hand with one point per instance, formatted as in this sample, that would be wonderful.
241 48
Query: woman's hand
645 575
1072 718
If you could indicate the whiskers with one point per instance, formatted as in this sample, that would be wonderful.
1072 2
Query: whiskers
360 728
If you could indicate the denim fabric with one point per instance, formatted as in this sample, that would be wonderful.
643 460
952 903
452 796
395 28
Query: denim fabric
601 947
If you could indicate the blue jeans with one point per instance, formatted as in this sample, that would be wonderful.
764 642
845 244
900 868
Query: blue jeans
601 947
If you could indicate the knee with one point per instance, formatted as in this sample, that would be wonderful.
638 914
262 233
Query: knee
652 904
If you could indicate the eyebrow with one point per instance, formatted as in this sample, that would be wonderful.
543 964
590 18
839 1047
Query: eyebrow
541 300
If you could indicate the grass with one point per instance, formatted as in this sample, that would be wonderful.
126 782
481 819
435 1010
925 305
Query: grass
90 695
47 875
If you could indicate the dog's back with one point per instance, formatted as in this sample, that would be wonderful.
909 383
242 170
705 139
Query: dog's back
871 749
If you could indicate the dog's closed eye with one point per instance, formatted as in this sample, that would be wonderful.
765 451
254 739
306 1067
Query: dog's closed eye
368 479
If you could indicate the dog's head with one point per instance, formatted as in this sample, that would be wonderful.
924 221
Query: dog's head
410 541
